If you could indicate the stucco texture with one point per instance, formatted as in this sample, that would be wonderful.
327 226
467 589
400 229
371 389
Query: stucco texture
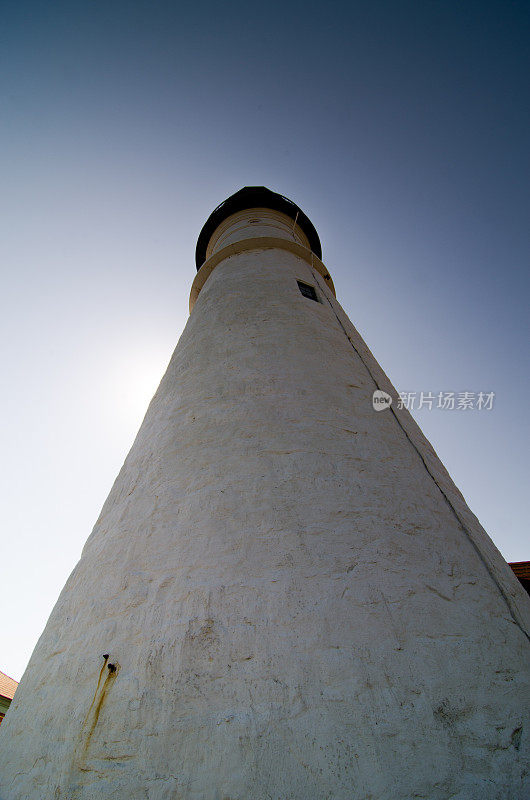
297 602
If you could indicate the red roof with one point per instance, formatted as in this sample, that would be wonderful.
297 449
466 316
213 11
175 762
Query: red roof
8 686
521 569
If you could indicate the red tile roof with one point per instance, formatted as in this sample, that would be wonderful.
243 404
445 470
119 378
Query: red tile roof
8 686
521 569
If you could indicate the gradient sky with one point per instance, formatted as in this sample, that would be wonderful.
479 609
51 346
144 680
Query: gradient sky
401 129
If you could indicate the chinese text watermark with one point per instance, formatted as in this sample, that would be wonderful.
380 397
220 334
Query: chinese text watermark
446 401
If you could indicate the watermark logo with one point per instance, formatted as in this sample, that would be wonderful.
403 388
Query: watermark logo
446 401
381 400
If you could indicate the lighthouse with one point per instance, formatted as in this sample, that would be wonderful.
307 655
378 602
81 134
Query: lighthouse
285 597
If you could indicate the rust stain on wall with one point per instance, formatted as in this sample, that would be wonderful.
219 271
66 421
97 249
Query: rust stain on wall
111 677
90 722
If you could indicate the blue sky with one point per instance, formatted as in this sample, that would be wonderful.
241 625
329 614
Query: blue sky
400 128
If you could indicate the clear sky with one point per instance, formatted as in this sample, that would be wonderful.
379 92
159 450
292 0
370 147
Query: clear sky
401 129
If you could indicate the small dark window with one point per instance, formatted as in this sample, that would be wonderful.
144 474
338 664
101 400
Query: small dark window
307 291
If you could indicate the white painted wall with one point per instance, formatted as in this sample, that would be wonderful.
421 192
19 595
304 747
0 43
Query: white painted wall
253 223
297 600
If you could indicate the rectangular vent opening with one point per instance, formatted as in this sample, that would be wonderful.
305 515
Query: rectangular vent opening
308 291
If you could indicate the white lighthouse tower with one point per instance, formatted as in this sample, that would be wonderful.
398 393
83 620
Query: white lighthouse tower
285 597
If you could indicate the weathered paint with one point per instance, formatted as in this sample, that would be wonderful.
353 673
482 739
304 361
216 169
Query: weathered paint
300 602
